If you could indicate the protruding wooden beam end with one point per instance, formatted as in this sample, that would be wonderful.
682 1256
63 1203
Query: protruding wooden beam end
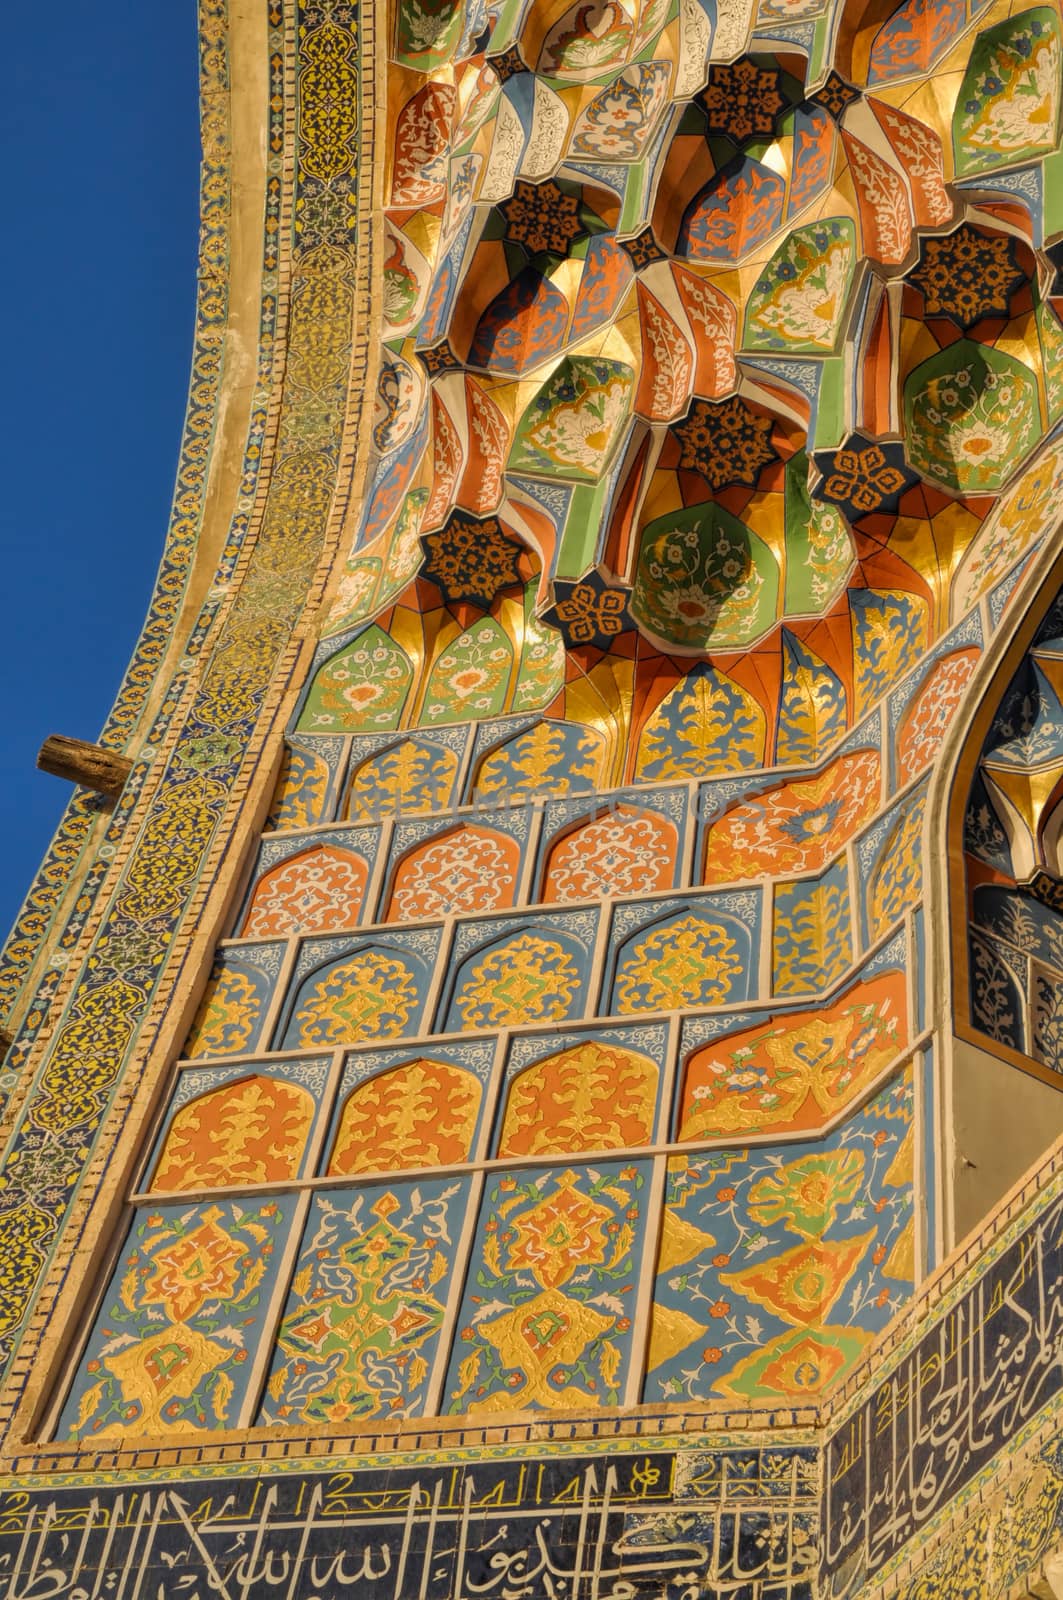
91 765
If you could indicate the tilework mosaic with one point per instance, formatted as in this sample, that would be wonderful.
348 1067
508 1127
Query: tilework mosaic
944 1398
758 1248
205 737
725 1514
812 935
420 1112
625 850
234 1006
305 791
736 606
795 1069
178 1321
671 955
237 1125
346 992
890 856
597 1090
317 889
416 774
795 827
557 1263
438 869
366 1305
510 971
1010 840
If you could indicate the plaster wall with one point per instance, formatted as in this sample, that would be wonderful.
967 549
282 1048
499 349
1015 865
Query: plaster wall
1002 1122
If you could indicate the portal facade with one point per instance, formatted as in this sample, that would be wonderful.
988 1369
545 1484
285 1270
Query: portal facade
547 1081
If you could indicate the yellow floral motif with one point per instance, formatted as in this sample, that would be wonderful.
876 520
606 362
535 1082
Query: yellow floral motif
420 1114
797 1073
897 881
543 760
369 996
200 1267
548 1332
299 800
328 103
1005 1539
563 1231
73 1080
707 725
167 1365
228 1016
410 777
320 320
251 1131
812 943
797 1365
805 1195
890 632
21 1233
685 963
802 1284
528 980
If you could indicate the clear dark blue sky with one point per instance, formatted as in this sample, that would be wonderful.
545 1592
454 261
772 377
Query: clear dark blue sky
100 131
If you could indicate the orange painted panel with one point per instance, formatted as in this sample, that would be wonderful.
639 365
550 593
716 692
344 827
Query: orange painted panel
313 892
422 1114
250 1131
592 1097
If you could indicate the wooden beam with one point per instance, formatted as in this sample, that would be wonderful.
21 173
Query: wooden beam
91 765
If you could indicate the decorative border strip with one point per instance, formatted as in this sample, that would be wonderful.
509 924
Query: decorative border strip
219 738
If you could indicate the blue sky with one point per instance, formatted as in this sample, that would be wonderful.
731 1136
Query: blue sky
100 125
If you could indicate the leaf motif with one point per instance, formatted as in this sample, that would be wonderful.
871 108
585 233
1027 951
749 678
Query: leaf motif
491 1308
119 1342
221 1395
813 943
610 1364
668 368
811 709
467 1373
252 1278
611 1302
492 1260
417 1372
230 1335
89 1401
621 1244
